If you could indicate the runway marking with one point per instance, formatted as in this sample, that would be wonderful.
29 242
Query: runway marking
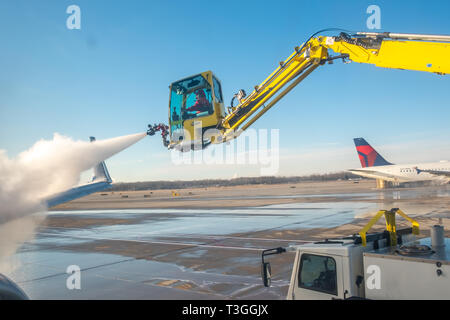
187 235
158 242
238 238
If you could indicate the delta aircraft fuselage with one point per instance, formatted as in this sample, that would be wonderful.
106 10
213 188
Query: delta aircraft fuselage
407 172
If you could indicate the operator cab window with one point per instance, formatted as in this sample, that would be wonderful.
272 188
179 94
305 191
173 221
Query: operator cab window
318 273
176 101
198 103
217 90
190 98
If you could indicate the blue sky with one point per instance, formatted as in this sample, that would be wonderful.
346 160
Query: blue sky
111 78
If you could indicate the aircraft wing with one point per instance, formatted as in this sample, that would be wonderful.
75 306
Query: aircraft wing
101 181
374 173
76 193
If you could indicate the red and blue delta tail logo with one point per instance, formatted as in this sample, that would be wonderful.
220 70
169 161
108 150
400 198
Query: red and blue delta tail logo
368 156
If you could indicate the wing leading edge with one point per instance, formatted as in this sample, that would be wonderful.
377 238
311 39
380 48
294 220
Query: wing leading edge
101 181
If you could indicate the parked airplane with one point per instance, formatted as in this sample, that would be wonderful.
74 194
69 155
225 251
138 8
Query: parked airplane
376 167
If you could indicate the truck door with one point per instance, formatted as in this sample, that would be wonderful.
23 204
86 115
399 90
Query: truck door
318 277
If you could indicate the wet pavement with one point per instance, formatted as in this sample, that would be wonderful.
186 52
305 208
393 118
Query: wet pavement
181 253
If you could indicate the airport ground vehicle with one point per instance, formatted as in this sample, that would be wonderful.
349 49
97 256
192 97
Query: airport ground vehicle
197 114
386 265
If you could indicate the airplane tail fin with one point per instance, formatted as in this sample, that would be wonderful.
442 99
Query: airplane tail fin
368 156
100 171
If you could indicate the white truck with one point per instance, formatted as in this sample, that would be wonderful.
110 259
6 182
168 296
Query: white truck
386 265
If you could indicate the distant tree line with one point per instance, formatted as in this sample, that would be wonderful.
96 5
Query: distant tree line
155 185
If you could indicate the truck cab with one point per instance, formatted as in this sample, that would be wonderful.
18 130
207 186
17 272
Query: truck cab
327 270
346 269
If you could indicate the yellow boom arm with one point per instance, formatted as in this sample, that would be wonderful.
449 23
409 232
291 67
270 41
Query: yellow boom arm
429 53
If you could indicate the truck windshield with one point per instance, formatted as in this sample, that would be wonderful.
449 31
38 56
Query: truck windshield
318 273
190 98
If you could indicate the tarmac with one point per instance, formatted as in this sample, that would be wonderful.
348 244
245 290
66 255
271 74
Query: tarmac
203 244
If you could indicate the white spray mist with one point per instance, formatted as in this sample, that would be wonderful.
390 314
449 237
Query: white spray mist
47 168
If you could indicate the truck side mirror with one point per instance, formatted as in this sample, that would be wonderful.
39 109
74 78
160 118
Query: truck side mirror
266 273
